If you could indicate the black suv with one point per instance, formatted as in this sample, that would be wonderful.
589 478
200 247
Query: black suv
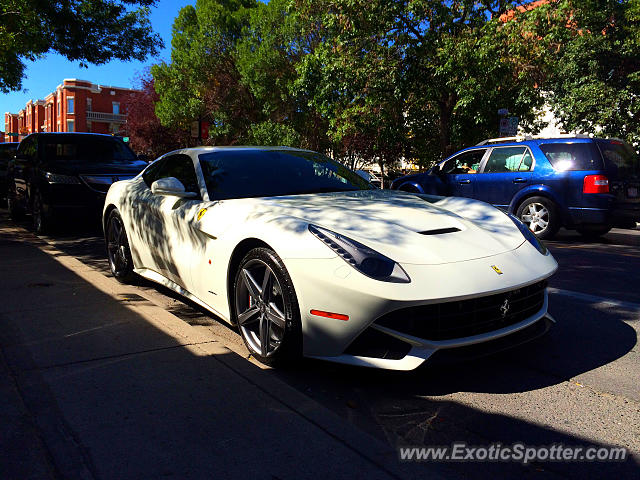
7 151
56 174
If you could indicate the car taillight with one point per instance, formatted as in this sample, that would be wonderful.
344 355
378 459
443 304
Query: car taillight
595 184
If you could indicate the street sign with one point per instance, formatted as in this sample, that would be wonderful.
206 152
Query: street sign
509 126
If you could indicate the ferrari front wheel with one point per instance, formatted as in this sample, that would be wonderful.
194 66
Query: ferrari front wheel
266 308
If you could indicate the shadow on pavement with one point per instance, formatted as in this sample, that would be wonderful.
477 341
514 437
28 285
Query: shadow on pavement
132 401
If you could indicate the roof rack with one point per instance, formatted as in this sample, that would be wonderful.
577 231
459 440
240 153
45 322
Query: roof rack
522 138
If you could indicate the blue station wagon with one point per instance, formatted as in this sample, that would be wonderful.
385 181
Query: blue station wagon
581 183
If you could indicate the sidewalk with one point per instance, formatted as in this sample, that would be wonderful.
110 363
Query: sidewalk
98 382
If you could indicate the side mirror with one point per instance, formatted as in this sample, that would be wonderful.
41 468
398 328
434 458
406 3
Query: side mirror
171 186
437 170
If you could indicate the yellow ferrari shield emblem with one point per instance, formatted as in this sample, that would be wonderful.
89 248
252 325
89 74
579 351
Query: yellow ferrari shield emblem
201 214
496 269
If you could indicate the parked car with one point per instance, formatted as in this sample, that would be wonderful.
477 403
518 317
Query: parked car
305 257
66 174
581 183
7 151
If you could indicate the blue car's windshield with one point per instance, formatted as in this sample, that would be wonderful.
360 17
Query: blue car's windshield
271 173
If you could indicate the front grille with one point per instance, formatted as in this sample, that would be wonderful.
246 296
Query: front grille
101 183
445 321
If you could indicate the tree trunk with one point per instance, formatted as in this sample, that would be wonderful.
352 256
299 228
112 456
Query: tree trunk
446 112
381 165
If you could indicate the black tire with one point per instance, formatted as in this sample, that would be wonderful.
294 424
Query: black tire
270 312
547 213
41 221
593 232
15 211
118 251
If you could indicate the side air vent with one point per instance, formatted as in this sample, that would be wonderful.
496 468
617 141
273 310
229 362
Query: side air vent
440 231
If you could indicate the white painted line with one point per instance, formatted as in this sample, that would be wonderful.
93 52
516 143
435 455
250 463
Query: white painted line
600 301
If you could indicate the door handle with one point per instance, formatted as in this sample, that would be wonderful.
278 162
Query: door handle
465 181
519 180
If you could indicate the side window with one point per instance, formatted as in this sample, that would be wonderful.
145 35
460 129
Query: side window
466 162
153 172
508 159
181 167
178 166
29 147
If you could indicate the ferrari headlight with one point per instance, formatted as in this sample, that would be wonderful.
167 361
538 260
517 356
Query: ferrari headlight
529 235
57 178
362 258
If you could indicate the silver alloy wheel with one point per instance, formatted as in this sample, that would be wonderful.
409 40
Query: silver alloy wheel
117 245
260 308
536 217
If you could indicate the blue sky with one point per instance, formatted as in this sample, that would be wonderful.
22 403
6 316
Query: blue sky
44 75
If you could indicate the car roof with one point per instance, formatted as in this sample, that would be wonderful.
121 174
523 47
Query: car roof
246 148
52 134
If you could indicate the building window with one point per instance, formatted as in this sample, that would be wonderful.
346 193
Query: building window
58 103
70 126
70 105
89 104
89 126
116 108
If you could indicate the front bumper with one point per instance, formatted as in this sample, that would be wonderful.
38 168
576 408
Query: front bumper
333 286
423 349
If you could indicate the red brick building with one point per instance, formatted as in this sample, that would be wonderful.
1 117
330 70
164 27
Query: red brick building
75 106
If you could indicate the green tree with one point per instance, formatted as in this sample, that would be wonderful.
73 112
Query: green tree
593 59
91 31
202 81
267 56
425 75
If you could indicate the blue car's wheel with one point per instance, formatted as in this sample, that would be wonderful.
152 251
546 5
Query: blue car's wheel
541 216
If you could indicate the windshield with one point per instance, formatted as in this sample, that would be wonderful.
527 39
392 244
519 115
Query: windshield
619 158
272 173
87 149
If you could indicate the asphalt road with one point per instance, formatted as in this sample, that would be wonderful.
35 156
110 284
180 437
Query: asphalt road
578 385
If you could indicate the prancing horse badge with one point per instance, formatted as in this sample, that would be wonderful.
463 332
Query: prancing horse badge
496 269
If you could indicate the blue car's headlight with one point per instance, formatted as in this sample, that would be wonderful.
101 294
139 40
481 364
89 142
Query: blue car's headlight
529 235
362 258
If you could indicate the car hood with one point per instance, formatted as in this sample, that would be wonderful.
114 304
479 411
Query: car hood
407 228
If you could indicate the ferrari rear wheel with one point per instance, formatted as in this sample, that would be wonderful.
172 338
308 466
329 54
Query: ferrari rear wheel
266 308
118 250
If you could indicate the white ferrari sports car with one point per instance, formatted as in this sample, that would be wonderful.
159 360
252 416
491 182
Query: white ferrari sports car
305 257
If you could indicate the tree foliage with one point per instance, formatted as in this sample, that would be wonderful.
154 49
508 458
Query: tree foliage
202 81
146 134
380 80
91 31
426 75
593 57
